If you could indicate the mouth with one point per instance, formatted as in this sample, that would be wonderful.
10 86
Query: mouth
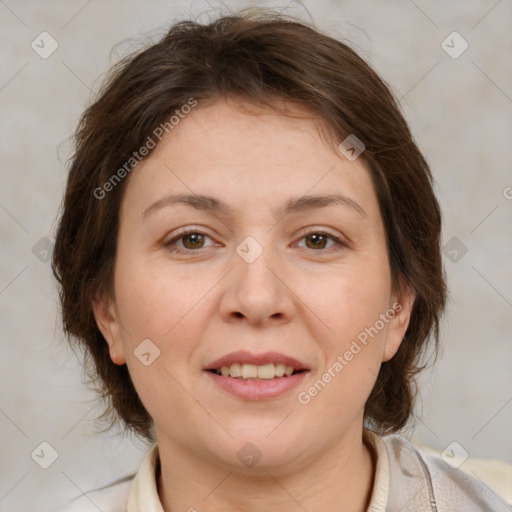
256 372
246 365
257 376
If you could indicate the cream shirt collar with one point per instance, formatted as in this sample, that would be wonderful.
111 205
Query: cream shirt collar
143 496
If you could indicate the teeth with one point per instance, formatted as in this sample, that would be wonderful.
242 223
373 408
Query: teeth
267 371
251 371
235 370
280 369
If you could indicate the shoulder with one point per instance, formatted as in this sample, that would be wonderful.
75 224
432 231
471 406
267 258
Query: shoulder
418 475
126 493
113 498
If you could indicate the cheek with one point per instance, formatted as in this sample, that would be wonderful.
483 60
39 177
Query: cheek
156 302
352 298
166 308
352 305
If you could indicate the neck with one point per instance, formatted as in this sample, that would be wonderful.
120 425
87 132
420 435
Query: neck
340 479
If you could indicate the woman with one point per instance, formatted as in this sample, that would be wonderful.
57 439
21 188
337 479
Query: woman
249 252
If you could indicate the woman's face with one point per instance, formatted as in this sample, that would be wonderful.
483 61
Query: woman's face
253 275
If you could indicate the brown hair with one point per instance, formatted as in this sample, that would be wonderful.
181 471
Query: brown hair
260 57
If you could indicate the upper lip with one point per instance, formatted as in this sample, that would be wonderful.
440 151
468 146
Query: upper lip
244 357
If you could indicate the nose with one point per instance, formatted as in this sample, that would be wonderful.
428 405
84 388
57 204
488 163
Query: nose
258 289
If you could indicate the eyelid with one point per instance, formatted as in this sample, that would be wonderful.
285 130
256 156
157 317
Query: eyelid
186 231
341 241
324 231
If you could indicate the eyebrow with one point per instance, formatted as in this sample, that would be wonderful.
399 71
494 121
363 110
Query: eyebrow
294 205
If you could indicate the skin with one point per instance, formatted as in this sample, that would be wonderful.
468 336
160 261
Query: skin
305 300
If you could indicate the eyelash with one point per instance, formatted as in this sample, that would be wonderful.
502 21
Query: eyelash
341 243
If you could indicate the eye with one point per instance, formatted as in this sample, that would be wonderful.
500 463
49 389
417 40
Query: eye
317 240
192 240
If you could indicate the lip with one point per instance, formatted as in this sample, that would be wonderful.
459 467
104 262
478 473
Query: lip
244 357
258 389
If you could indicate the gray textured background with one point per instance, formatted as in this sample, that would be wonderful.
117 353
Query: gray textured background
460 110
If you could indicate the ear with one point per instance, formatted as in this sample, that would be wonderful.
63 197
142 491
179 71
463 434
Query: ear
401 303
106 319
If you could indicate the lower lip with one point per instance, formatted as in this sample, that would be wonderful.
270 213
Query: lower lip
258 389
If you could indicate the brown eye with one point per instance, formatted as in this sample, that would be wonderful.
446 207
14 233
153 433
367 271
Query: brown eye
191 240
317 240
195 240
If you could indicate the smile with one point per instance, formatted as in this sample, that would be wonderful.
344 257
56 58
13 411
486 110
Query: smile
257 388
252 371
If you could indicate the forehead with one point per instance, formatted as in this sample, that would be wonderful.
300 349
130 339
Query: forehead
248 155
233 130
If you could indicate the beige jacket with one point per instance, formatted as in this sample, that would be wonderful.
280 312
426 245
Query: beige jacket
406 479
